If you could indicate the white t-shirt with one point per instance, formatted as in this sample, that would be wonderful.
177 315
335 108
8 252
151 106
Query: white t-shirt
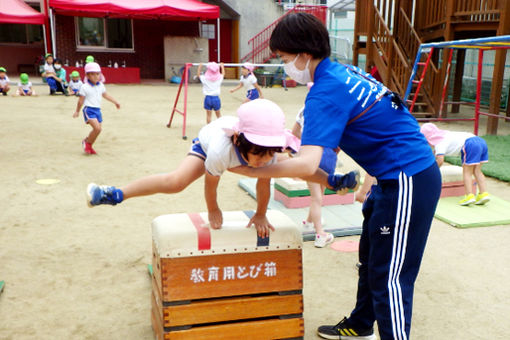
221 153
452 143
25 87
49 68
249 81
211 88
92 94
75 85
5 81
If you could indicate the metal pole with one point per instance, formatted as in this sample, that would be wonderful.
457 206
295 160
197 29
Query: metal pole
478 90
52 26
218 40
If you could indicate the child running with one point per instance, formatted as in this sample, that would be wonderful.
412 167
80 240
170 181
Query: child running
4 81
473 151
211 86
24 86
249 81
90 95
75 83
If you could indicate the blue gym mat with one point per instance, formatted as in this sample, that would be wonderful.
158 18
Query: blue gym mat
341 220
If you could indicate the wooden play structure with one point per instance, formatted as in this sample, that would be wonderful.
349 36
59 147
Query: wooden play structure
227 283
390 32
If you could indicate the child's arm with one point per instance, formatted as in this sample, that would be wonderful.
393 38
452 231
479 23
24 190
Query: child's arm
199 69
258 89
439 160
215 216
111 99
296 130
78 106
222 69
259 220
237 87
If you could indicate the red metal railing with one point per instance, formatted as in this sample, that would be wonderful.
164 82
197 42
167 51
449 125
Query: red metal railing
260 51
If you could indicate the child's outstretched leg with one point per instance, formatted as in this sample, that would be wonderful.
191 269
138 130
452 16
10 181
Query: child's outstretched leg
467 175
315 217
91 138
209 116
483 196
190 169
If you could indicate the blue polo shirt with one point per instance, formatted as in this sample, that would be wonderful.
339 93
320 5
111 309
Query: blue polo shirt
385 141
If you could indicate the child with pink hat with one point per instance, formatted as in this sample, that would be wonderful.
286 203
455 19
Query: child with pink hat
91 94
473 151
249 81
211 85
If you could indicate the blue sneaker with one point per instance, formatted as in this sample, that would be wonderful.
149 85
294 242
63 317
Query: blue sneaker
102 194
347 181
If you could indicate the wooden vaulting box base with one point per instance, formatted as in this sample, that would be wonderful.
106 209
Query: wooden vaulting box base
229 283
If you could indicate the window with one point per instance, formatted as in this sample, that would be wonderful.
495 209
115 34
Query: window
208 31
21 33
99 33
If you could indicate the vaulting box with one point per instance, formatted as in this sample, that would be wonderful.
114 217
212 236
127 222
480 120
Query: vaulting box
294 193
227 283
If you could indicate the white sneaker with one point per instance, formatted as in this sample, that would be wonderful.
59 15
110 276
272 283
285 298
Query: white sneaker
322 241
310 226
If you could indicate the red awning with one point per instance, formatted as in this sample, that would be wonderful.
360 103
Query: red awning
18 12
137 9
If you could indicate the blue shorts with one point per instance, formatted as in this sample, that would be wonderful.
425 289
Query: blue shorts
92 113
328 160
196 150
212 103
252 94
474 151
26 91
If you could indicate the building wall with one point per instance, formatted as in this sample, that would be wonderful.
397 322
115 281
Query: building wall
253 19
148 42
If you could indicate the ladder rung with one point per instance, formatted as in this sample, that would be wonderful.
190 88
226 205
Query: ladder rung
416 81
422 63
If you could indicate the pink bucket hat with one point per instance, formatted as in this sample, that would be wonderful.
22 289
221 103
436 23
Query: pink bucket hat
433 134
92 67
262 122
249 67
213 72
293 142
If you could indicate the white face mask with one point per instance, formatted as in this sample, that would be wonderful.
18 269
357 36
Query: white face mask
57 67
301 76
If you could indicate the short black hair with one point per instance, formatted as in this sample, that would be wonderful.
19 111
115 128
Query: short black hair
301 33
245 147
57 61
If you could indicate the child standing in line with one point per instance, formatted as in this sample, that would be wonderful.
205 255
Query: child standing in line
211 85
90 95
328 164
75 83
4 81
473 151
249 81
24 86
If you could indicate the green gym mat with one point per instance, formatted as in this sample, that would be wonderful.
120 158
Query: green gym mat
341 220
494 212
2 284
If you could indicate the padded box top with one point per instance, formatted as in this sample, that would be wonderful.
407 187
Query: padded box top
185 235
451 173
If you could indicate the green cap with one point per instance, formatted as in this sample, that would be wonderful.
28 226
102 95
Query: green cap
48 55
89 59
75 74
2 69
24 78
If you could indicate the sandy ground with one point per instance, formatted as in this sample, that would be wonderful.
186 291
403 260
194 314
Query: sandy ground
72 272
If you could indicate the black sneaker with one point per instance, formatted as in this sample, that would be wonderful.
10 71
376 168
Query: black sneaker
52 92
343 331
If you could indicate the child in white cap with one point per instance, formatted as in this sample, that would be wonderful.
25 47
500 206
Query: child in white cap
91 94
473 151
249 81
211 87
